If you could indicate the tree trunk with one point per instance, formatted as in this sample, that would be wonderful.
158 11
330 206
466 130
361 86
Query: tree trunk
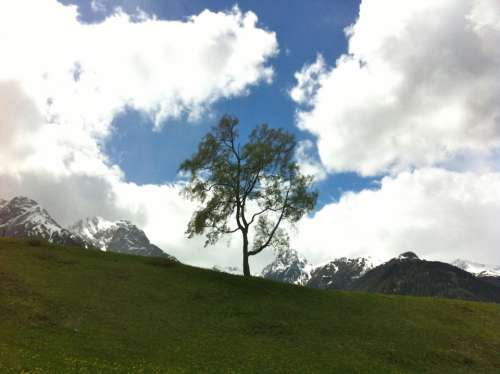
246 266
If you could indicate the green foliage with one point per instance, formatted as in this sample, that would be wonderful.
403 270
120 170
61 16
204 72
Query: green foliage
68 310
230 180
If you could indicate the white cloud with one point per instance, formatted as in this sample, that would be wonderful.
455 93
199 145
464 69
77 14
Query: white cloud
89 72
308 164
438 214
63 82
419 86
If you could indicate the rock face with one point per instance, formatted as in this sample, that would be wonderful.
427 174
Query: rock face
340 273
291 267
23 217
119 236
408 275
288 267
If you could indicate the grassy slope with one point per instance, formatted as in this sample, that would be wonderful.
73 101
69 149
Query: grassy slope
70 310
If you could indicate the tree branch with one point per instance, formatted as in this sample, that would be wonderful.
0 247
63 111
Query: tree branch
259 213
215 185
221 230
268 241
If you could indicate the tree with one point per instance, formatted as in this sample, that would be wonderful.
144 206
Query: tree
256 186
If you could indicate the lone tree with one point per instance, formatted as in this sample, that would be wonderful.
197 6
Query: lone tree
239 186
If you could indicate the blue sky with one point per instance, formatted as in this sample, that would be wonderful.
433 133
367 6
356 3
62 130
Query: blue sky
304 29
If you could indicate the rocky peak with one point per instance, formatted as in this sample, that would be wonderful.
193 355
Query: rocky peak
408 256
24 217
339 273
118 236
289 266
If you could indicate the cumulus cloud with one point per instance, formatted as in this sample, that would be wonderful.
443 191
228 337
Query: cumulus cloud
62 82
164 68
308 163
419 86
439 214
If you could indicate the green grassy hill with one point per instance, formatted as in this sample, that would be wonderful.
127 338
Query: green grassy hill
72 310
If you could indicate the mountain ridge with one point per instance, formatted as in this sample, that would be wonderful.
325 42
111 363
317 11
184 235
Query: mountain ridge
24 217
117 236
405 274
416 277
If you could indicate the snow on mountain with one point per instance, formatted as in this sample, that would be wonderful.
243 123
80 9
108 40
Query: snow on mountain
118 236
24 217
340 273
479 270
95 231
289 267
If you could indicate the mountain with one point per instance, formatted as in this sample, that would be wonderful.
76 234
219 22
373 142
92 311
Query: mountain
118 236
24 217
340 273
409 275
479 270
406 274
288 267
487 273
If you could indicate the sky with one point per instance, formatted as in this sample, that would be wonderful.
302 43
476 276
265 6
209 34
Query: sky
394 105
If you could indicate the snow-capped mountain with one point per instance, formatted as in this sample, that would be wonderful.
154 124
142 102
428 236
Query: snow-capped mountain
118 236
479 270
289 267
340 273
405 274
24 217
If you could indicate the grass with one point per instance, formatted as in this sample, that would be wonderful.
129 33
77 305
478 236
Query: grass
76 311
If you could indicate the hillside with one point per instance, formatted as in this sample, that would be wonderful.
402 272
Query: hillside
73 310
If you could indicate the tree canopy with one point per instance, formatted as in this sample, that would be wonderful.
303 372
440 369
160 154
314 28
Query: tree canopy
257 185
